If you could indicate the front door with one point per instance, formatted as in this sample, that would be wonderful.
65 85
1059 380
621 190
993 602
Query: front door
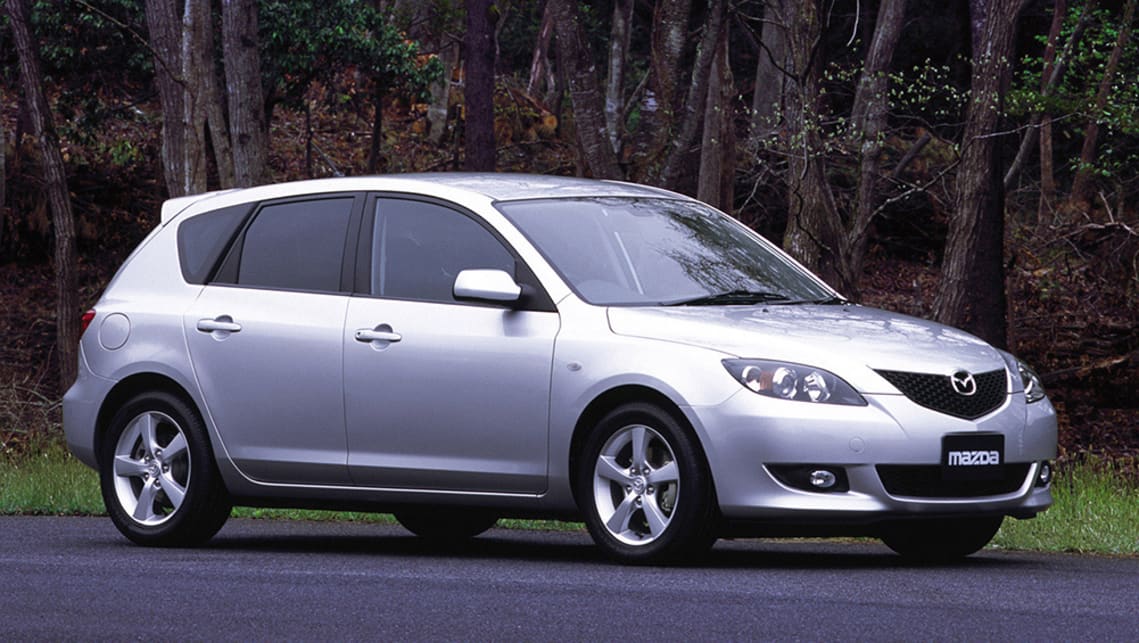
441 394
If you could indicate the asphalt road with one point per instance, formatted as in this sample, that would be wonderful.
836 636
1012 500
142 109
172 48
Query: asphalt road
76 578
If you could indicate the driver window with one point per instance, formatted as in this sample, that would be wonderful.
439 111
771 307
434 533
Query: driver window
419 248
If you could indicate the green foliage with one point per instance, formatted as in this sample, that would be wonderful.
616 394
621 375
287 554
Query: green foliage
926 94
518 33
1072 103
303 38
85 42
94 61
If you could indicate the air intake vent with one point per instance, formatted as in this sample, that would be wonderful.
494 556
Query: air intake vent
939 393
925 481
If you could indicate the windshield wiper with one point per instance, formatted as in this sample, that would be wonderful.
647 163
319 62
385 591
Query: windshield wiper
833 300
731 298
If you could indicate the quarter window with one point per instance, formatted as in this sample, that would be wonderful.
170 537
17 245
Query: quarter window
203 239
418 249
298 245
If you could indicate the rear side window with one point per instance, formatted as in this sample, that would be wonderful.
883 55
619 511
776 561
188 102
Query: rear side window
297 246
202 240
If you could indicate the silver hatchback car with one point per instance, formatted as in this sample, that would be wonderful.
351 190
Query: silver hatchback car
456 348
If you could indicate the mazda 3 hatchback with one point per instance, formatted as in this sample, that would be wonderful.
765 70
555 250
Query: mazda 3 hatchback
457 348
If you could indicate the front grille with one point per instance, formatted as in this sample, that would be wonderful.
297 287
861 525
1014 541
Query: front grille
925 481
936 392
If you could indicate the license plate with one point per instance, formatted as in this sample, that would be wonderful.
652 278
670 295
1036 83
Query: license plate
972 456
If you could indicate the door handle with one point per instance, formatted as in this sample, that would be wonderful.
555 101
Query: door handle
370 335
223 323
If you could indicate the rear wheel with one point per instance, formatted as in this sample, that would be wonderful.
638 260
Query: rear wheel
644 487
159 481
445 524
941 539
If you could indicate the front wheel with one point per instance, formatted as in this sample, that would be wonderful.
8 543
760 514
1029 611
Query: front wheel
644 487
159 481
941 539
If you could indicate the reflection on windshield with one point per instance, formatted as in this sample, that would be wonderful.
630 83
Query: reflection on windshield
624 251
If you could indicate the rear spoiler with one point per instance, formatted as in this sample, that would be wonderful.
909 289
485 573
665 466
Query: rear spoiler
173 207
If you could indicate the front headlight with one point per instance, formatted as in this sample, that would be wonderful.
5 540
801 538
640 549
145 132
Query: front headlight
1033 387
798 382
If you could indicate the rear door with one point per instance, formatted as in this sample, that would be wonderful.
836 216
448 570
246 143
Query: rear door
265 340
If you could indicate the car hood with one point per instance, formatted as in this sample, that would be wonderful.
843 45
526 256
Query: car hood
850 341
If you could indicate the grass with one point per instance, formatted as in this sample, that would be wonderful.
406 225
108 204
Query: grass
53 482
1096 508
49 482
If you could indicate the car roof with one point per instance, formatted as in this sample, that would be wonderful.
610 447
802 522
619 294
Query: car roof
489 186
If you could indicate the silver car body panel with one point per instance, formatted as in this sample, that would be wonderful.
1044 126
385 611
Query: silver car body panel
287 423
432 411
479 405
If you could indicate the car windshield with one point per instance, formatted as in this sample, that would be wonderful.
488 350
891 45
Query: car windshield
658 251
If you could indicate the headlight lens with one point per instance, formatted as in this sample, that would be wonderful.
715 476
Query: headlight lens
1033 387
797 382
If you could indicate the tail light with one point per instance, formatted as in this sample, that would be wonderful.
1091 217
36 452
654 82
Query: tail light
85 321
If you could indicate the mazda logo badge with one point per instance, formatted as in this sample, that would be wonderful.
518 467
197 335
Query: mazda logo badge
964 383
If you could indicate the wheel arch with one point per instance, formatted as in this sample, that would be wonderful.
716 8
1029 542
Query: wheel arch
128 388
616 397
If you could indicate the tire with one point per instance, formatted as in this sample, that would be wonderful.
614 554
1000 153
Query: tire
940 540
644 487
444 524
159 480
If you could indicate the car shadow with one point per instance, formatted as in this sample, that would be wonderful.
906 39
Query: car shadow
575 546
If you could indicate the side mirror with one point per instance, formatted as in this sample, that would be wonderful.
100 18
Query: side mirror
486 285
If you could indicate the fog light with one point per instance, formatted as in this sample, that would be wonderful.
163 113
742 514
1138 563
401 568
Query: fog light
1045 475
823 479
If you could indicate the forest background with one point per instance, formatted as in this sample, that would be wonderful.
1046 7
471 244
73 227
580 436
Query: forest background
971 161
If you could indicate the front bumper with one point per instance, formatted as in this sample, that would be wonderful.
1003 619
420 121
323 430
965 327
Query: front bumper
889 453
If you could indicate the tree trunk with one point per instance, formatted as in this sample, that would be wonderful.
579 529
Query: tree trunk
55 182
376 141
971 294
1047 171
478 93
770 70
717 167
249 131
868 116
214 102
3 168
619 35
575 61
440 91
540 68
812 234
165 27
659 104
1082 183
1050 77
195 25
687 121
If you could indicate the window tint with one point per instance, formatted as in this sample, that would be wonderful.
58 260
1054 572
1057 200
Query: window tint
419 248
203 239
296 245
